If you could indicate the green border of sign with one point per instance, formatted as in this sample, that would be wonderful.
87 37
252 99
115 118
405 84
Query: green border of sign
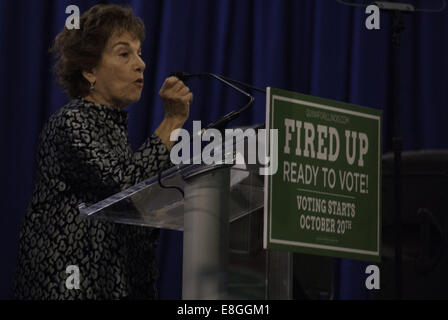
273 94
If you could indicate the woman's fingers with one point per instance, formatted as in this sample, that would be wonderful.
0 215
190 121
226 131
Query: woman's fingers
173 87
189 97
184 91
170 82
176 97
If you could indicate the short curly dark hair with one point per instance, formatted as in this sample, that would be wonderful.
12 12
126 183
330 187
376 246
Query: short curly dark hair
79 50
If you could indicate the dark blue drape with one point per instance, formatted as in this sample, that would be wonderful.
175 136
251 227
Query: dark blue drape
316 47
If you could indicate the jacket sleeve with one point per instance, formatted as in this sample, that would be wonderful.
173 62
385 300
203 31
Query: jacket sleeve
92 162
152 156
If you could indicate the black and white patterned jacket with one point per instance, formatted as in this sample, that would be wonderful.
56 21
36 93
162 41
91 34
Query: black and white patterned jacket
84 156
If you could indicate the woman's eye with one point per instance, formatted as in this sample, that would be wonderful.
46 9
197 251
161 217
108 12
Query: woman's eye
124 54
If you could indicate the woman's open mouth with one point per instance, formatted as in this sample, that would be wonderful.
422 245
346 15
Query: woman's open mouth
139 82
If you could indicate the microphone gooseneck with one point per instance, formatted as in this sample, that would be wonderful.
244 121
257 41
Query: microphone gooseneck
222 122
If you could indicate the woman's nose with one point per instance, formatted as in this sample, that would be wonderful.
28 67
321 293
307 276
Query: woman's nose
140 67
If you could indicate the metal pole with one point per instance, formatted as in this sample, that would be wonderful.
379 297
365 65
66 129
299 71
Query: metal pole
206 243
397 142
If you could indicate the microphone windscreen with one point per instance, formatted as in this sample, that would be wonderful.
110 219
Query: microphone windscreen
180 75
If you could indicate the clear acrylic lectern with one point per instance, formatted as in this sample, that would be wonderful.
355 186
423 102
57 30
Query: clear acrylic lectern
221 217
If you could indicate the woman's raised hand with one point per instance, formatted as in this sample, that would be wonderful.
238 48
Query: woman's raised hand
176 99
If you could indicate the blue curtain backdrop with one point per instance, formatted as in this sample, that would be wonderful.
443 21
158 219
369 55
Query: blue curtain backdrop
316 47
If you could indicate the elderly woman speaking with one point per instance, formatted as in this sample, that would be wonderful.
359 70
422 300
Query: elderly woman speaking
84 156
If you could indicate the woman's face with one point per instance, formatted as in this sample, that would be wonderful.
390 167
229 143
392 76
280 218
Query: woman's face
119 75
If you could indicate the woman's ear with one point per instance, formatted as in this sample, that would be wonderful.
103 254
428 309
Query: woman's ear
89 76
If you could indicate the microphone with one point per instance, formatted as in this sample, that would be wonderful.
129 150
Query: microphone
394 6
223 121
185 76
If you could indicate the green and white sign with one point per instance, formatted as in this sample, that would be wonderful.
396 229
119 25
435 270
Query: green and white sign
325 197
